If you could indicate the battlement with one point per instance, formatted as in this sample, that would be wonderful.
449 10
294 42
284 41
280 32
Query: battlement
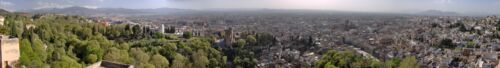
5 37
8 39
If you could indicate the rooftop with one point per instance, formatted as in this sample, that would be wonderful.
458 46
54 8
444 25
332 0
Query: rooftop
108 64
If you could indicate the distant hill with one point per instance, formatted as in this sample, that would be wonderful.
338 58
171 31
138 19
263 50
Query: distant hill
2 11
77 10
162 11
165 10
438 13
84 11
299 12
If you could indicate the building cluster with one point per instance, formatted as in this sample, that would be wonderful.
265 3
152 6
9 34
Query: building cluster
441 41
106 21
436 41
328 32
474 42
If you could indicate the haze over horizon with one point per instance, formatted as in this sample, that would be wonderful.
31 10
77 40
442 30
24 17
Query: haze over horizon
387 6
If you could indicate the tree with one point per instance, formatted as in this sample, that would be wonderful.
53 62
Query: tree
241 43
187 35
169 50
179 61
93 49
392 63
330 65
409 62
16 28
159 35
147 66
26 52
117 55
159 61
375 64
139 55
85 33
245 62
172 37
138 32
66 62
4 30
345 59
251 39
91 58
201 60
73 42
447 43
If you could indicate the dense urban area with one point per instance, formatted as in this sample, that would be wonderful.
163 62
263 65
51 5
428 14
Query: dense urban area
248 39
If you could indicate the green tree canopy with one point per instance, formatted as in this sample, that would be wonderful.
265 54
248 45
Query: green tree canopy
159 61
409 62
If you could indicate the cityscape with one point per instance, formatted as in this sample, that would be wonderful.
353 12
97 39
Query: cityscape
249 34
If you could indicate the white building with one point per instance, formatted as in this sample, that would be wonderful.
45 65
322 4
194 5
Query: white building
2 19
162 28
181 30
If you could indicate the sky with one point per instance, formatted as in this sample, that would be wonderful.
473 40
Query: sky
392 6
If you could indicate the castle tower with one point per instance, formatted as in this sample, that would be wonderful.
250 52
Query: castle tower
10 53
162 28
229 37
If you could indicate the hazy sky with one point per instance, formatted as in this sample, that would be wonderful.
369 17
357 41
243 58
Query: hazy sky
400 6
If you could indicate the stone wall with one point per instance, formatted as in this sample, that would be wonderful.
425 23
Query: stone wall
108 64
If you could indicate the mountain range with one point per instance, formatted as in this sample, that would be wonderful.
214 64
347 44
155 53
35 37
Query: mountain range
77 10
438 13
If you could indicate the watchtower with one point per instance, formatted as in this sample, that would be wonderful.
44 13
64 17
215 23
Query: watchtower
229 37
9 47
